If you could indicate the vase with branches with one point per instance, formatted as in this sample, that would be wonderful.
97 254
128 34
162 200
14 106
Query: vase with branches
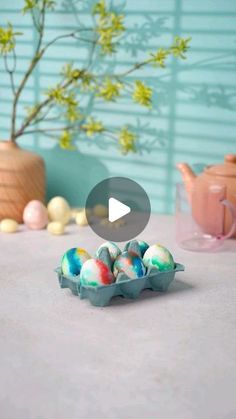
62 101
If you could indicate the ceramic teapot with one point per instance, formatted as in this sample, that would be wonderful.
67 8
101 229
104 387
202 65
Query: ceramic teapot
208 191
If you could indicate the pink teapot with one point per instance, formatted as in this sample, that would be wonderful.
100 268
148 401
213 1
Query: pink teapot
208 192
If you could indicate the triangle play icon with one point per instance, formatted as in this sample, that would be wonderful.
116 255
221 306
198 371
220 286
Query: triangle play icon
117 210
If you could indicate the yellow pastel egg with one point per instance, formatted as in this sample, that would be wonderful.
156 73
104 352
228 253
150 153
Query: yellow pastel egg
59 210
56 227
81 218
100 211
8 226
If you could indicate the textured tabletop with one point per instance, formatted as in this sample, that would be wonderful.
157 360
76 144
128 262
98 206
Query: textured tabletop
161 356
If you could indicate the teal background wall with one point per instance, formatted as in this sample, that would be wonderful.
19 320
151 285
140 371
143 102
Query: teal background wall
194 117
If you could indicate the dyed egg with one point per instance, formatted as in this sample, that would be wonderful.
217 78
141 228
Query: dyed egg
73 260
130 264
56 228
95 272
143 246
159 257
59 210
35 215
8 226
113 249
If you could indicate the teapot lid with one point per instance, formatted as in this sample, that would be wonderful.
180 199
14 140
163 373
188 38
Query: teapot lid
228 168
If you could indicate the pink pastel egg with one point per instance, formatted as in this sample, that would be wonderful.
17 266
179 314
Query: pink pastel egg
35 215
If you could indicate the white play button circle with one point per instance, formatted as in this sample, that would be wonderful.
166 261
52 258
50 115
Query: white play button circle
116 210
123 199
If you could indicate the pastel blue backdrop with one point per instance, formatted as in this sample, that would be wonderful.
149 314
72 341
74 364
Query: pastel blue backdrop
194 116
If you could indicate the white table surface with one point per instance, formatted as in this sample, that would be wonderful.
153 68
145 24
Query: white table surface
161 356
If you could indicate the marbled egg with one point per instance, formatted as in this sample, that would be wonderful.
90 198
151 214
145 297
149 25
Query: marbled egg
113 249
159 257
59 210
35 215
95 272
73 260
143 246
130 264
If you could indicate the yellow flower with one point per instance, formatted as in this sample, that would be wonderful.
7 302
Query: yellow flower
31 4
87 80
159 57
127 141
110 26
142 94
7 39
73 114
100 8
180 46
65 140
58 94
71 73
117 23
109 90
93 127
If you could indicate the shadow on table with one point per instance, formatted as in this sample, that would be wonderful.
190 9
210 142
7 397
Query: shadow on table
176 287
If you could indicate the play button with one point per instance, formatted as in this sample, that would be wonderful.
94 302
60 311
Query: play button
118 209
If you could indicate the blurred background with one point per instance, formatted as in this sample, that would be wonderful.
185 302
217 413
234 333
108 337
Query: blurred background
193 118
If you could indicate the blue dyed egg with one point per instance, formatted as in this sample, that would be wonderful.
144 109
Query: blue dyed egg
73 260
130 264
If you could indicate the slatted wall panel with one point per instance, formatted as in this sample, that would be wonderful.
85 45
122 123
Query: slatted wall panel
195 100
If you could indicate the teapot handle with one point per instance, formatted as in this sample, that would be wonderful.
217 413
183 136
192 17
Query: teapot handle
232 210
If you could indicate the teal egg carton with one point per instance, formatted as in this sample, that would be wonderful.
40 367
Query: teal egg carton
101 295
125 287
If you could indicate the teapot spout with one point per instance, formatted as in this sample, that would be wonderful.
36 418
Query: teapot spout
188 177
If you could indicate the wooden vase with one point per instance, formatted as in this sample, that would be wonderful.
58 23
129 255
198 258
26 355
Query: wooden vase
22 178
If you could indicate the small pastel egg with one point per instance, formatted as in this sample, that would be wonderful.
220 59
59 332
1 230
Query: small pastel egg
56 228
81 218
35 215
59 210
130 264
95 272
159 257
113 249
8 226
100 211
73 260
